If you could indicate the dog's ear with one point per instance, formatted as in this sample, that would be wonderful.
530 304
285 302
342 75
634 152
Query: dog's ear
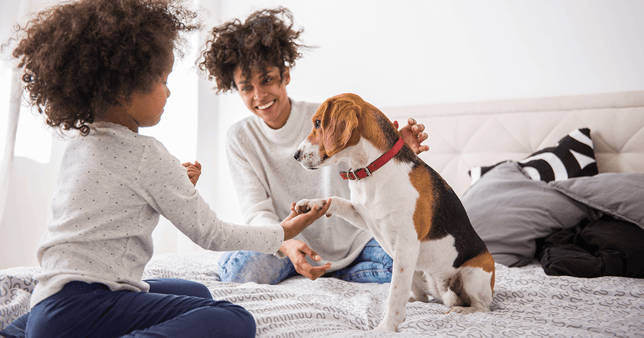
339 121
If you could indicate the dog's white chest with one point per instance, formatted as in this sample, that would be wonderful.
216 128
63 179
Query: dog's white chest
387 203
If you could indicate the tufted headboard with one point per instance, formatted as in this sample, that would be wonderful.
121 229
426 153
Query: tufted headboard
465 135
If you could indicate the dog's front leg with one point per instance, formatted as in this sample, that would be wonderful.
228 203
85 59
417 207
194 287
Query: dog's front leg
405 256
339 207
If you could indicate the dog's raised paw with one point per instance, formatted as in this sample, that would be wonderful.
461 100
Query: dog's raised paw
306 205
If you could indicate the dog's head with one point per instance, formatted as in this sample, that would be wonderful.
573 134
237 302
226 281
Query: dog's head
334 129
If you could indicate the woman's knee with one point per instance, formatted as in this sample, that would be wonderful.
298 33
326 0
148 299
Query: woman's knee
249 266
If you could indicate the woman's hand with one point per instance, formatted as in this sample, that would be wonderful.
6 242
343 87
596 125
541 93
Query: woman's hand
194 171
413 135
297 252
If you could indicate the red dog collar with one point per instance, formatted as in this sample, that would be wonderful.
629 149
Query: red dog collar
361 173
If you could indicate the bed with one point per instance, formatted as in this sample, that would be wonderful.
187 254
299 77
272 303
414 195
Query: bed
523 202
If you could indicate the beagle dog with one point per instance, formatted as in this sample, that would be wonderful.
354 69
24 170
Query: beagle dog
411 211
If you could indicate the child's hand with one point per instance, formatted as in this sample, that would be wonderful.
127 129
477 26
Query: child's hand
194 171
295 223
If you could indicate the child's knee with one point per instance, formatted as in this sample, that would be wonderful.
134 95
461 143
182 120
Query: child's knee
200 290
227 320
245 325
175 286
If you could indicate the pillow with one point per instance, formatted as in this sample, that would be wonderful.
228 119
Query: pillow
510 212
572 156
620 195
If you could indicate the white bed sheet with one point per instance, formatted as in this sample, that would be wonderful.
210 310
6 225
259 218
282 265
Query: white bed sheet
526 302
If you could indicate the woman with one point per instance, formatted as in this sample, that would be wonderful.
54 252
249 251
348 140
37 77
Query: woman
255 58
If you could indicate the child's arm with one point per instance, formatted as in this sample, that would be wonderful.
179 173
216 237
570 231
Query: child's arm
194 171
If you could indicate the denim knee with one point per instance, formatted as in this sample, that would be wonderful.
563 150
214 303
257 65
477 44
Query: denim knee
249 266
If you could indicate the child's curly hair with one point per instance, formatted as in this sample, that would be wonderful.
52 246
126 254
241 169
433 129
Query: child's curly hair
267 38
84 56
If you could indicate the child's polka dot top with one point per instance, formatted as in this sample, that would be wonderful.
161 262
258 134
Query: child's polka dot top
113 185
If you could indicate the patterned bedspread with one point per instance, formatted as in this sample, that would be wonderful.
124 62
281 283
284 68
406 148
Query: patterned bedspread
526 302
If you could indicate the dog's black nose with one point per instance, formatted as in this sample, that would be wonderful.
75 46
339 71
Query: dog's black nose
297 155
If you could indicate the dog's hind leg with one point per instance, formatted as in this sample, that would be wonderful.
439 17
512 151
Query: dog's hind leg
405 256
419 287
442 288
475 290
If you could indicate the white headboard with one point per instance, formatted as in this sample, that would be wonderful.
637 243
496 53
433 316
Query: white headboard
464 135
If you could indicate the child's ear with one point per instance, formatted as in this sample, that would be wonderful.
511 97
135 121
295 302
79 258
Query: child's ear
287 76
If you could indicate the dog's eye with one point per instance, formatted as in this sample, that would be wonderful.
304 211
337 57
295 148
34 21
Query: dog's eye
318 123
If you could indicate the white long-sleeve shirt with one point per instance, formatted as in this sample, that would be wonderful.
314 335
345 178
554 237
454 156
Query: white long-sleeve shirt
112 187
268 179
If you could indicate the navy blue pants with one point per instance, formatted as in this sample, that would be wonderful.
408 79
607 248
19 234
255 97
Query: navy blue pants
172 308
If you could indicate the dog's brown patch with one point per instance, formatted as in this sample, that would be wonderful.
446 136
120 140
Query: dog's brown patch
423 214
484 261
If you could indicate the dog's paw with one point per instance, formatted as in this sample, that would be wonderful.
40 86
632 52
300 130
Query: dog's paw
384 326
451 299
306 205
421 297
464 310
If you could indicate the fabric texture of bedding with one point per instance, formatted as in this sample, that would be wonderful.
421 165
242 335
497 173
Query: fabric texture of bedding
526 302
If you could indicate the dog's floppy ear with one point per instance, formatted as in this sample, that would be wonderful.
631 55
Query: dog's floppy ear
339 121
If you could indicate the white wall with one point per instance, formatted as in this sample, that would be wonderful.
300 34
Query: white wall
391 53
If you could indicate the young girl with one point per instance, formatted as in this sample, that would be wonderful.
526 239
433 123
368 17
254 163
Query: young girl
99 68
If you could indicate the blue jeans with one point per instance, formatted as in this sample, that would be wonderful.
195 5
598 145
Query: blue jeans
172 308
373 265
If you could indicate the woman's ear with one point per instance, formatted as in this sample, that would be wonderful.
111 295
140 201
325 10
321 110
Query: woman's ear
286 77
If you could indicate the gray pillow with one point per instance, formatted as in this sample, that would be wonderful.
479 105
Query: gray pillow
620 195
510 212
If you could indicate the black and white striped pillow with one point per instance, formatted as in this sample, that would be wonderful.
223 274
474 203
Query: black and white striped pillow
572 156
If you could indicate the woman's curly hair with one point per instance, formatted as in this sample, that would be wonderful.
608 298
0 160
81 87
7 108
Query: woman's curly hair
265 39
82 57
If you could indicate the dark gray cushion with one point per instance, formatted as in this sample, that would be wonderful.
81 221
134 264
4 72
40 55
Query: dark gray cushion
510 212
620 195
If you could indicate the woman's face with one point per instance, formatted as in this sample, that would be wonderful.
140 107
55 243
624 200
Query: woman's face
264 94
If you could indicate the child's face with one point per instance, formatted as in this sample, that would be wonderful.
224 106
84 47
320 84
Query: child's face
147 107
264 94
